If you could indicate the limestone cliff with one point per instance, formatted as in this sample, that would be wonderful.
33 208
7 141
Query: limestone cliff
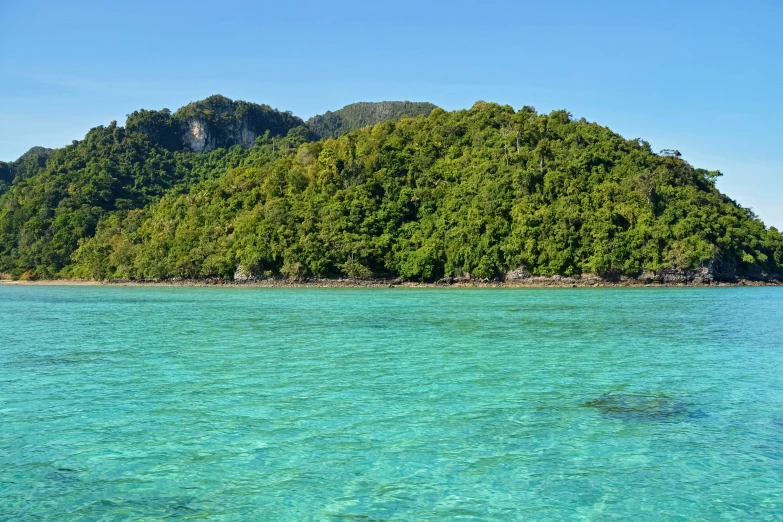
220 122
212 123
196 136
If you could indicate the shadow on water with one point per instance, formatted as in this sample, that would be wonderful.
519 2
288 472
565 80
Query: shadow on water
63 476
157 507
630 406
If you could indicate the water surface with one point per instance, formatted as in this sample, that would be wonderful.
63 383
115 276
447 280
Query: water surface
122 403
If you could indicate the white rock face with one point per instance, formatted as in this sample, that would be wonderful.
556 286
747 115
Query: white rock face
518 274
243 275
246 136
197 138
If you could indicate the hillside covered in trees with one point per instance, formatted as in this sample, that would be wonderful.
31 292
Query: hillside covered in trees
221 188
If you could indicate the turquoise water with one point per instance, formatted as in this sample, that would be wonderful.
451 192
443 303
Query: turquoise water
121 403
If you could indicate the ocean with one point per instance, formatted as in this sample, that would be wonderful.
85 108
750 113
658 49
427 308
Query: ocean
128 403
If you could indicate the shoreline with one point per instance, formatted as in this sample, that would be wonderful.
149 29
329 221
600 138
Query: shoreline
533 282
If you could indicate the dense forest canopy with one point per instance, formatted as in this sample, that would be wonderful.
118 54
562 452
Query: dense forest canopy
474 192
28 164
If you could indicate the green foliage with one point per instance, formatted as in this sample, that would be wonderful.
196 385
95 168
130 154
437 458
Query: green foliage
27 165
30 162
363 114
159 127
43 216
478 191
6 176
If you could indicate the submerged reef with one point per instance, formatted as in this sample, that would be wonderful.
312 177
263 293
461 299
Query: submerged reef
630 406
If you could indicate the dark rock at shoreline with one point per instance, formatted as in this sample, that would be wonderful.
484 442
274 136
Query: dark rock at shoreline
558 281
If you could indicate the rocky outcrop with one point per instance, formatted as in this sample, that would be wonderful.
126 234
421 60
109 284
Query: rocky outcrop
196 136
246 137
716 271
219 122
518 274
702 275
245 275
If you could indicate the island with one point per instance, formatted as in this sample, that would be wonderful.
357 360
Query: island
236 192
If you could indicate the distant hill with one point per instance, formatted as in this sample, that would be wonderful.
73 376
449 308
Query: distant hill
25 166
358 115
34 153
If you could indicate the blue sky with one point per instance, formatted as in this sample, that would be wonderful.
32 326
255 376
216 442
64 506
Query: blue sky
702 77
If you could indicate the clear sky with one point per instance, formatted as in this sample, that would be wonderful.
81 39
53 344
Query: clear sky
702 77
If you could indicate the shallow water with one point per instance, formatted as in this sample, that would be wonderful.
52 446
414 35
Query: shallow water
125 403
